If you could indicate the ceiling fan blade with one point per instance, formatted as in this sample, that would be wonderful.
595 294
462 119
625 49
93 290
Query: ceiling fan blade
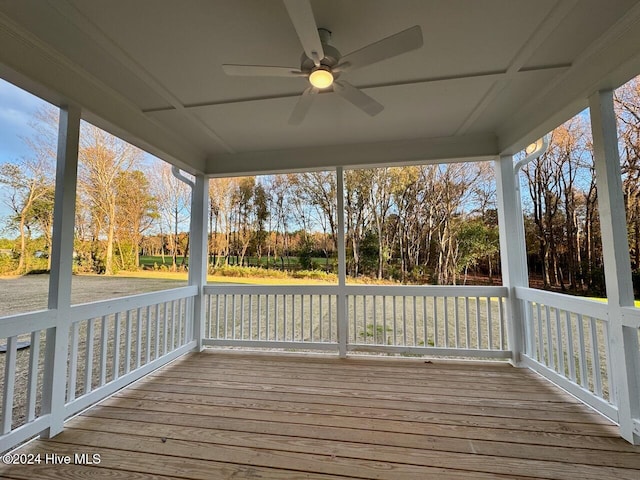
402 42
356 96
302 107
304 22
262 71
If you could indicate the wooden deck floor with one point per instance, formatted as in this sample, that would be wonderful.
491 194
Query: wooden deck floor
241 415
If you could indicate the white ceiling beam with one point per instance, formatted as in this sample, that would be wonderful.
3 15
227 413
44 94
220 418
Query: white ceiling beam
394 153
34 66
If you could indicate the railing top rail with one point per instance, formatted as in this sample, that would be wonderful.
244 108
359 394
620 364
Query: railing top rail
429 290
26 322
400 290
239 289
579 305
631 317
107 307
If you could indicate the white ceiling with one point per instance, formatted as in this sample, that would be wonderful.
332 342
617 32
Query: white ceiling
492 75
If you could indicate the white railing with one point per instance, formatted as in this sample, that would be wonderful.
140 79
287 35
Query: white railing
114 342
631 320
433 320
272 316
464 321
635 398
567 340
22 371
111 344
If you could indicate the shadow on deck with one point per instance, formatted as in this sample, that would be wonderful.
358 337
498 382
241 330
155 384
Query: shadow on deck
229 414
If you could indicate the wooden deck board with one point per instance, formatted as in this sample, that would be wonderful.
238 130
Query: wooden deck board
242 415
577 414
393 385
344 390
371 412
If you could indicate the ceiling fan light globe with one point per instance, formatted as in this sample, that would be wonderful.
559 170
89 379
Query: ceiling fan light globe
321 78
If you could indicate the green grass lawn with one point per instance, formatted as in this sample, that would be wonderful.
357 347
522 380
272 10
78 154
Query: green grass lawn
149 261
604 300
155 274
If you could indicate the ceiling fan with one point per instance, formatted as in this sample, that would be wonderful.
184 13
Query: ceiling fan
322 64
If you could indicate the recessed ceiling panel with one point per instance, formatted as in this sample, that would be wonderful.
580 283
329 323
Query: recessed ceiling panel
183 44
411 111
586 22
484 39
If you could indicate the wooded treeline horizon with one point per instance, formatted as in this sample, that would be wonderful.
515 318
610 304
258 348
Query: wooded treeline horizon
432 224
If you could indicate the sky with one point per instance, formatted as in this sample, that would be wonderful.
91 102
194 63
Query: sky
16 109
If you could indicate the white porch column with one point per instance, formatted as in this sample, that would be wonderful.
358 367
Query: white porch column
198 258
513 250
55 371
343 329
623 341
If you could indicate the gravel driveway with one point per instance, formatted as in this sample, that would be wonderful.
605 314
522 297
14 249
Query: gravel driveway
29 292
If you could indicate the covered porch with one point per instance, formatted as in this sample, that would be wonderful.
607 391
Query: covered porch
194 406
262 415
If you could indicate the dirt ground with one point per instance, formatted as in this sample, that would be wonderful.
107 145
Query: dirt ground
28 293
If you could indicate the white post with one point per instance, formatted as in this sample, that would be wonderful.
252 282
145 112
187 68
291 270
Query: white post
55 367
198 258
513 250
623 341
343 330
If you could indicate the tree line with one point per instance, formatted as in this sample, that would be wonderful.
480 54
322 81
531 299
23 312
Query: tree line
419 223
430 223
561 220
426 224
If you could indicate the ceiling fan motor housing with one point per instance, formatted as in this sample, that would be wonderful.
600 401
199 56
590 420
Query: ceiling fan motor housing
331 54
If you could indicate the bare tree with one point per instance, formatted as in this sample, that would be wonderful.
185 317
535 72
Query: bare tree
380 196
279 191
242 199
627 103
173 197
219 214
318 189
102 159
357 213
136 211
